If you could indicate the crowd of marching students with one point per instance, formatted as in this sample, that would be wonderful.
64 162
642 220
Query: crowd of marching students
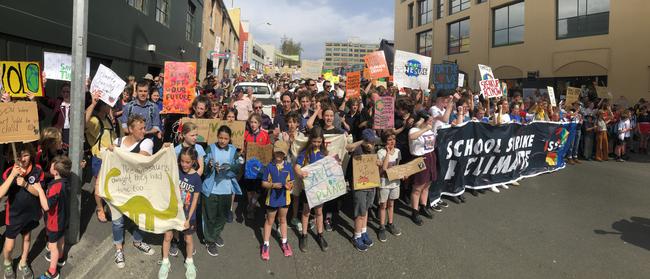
211 186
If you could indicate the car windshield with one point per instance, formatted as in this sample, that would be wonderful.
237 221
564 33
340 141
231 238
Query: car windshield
257 90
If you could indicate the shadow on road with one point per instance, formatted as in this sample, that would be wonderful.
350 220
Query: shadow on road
635 231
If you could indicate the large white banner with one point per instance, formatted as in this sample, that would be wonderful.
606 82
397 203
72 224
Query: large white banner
144 188
411 70
109 84
58 66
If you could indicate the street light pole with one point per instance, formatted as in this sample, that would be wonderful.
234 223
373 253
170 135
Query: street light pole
77 113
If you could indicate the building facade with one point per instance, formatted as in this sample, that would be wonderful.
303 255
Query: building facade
218 37
258 57
348 55
121 34
534 43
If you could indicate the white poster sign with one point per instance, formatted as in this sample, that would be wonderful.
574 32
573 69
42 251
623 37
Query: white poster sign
109 84
411 70
461 79
551 95
58 66
486 72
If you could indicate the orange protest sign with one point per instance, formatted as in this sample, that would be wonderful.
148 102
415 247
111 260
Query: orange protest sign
377 66
179 87
353 85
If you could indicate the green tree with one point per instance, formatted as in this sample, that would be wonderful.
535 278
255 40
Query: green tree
289 47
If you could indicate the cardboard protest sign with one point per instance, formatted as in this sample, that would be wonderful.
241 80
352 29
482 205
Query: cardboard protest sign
486 72
353 85
461 80
208 128
445 76
263 153
58 66
377 66
551 95
365 172
504 89
179 87
21 77
602 92
411 70
328 76
311 69
19 122
572 95
491 88
404 170
384 113
144 188
325 181
109 84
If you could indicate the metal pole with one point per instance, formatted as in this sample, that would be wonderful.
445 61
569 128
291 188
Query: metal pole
77 113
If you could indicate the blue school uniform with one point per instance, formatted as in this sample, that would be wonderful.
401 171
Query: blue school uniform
225 181
283 174
305 159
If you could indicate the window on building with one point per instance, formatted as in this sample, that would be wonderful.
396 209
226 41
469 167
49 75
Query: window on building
508 25
458 5
458 39
140 5
441 9
409 17
425 43
162 12
425 12
480 1
579 18
328 59
189 23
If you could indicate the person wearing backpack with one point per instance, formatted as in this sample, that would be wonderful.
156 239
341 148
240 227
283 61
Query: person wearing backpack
148 110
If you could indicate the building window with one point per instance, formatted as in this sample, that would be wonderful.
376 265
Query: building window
410 17
458 5
140 5
189 21
508 25
458 40
441 8
162 12
425 43
425 12
480 1
579 18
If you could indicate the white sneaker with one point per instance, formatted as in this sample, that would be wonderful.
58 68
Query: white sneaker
504 186
494 189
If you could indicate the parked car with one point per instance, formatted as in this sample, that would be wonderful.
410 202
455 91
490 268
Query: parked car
261 91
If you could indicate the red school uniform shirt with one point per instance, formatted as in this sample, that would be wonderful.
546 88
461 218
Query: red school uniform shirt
56 216
21 205
261 137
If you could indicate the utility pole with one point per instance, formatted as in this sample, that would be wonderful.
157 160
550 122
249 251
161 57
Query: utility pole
77 113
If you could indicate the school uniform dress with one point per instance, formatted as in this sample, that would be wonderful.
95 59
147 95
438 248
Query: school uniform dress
278 198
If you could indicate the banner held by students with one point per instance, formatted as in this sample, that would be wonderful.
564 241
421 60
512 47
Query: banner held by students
411 70
384 113
109 84
21 77
144 188
377 67
445 76
325 181
58 66
19 122
365 172
352 85
491 88
179 87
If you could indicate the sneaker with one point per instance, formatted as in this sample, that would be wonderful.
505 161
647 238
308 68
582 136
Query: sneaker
494 189
60 263
415 217
358 243
219 241
9 272
302 243
461 198
265 252
381 234
455 200
144 248
437 208
164 270
190 270
47 275
212 249
394 230
424 211
515 183
322 243
328 225
286 249
474 193
443 204
173 249
229 219
367 240
119 259
26 271
620 160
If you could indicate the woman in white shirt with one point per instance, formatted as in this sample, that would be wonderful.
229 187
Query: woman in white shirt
422 141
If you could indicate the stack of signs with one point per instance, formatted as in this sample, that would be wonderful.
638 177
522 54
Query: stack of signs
445 76
551 95
108 84
377 67
179 87
411 70
490 87
572 95
21 77
365 171
58 66
353 85
384 113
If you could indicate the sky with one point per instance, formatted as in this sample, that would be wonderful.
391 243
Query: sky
313 22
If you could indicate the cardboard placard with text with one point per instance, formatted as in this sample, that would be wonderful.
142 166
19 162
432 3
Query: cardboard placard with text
491 88
353 85
365 171
384 113
109 84
19 122
404 170
179 87
263 153
325 181
377 66
572 96
58 66
602 92
208 128
551 95
21 77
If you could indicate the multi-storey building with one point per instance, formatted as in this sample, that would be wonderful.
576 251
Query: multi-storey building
534 43
218 36
348 55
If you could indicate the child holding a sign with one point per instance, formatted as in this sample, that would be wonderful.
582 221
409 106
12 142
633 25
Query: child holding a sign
278 180
389 190
254 134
